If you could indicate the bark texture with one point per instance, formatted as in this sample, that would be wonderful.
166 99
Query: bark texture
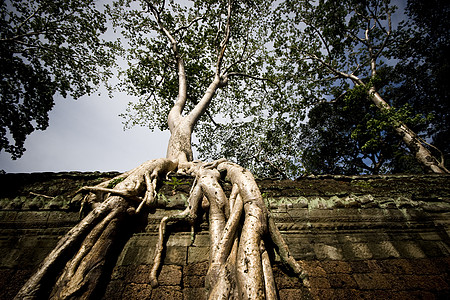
240 226
80 257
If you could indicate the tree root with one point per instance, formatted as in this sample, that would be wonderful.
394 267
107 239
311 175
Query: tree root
94 232
160 246
240 266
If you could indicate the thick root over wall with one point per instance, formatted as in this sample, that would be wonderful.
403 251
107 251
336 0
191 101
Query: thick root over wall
240 228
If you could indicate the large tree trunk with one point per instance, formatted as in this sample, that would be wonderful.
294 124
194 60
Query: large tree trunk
83 257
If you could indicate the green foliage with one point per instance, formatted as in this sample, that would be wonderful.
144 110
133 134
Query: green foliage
198 27
304 116
424 68
115 182
46 48
175 182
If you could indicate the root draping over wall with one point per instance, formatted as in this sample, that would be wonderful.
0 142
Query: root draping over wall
240 228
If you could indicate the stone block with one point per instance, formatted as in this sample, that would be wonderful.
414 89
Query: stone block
201 240
356 251
424 266
334 266
63 217
194 281
300 247
166 293
409 249
137 291
143 240
32 219
198 254
434 248
426 282
114 290
194 294
372 281
326 252
10 258
313 268
5 275
8 217
175 256
285 281
294 294
128 256
179 240
397 266
139 273
119 273
316 293
383 250
319 282
170 275
199 269
359 266
374 266
430 236
341 281
352 294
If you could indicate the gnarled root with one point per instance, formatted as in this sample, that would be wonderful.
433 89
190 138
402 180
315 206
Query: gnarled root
84 248
239 263
239 224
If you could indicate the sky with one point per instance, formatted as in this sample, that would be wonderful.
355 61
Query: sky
87 135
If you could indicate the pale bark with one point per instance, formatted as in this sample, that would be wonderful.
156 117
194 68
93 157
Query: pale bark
84 248
410 138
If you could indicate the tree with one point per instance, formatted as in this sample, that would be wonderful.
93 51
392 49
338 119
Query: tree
212 44
424 66
332 48
351 137
46 48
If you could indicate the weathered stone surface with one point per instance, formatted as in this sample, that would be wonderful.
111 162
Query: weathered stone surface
199 269
170 275
166 293
194 294
175 255
198 254
137 291
358 237
114 290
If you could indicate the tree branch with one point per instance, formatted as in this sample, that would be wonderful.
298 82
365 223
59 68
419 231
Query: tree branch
175 112
225 40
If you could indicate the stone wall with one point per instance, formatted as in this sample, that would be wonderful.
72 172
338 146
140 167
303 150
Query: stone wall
366 237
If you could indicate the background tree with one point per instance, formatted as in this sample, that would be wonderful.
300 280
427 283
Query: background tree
415 85
344 54
335 47
47 48
424 67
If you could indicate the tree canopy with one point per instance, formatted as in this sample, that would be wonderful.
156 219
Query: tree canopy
285 61
351 76
47 48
